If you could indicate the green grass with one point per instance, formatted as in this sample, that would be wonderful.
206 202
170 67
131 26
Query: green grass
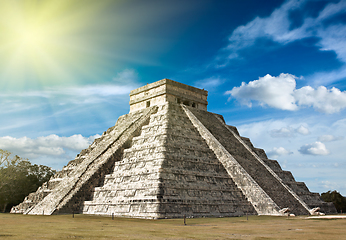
16 226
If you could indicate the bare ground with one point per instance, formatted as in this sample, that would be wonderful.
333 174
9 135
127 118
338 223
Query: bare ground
16 226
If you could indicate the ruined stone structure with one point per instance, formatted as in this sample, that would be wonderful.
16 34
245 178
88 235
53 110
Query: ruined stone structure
170 157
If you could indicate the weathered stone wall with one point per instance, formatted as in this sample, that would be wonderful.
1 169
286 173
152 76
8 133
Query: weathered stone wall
276 191
167 90
75 204
262 203
84 176
194 180
122 190
168 172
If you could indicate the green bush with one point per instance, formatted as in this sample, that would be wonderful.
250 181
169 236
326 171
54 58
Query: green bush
18 178
336 198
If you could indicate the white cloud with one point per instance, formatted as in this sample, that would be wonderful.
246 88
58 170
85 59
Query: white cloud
80 97
316 148
322 99
280 151
326 78
333 38
285 132
51 145
288 132
329 138
328 185
126 76
333 185
280 92
277 27
209 83
275 92
332 9
123 83
95 90
303 130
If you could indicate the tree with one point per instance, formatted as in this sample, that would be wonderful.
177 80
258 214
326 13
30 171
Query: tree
335 197
18 178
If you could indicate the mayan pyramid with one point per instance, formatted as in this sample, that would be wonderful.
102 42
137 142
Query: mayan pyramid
170 157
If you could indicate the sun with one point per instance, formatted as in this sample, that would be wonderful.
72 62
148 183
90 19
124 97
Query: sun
34 37
46 41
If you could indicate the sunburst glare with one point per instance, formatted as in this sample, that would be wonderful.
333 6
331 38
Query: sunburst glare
42 41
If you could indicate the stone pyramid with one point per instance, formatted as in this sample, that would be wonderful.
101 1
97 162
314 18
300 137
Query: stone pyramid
170 157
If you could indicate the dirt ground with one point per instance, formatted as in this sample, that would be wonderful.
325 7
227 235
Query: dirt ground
17 226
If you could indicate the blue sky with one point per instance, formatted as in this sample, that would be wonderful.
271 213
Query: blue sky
276 71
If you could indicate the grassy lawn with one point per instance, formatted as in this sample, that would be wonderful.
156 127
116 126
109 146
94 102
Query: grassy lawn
16 226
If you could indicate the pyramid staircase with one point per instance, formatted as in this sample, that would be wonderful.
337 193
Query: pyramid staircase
70 187
168 171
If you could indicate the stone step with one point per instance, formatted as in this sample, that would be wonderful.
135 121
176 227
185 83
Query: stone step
96 159
171 159
271 184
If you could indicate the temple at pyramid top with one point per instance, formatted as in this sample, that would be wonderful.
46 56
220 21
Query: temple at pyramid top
167 90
